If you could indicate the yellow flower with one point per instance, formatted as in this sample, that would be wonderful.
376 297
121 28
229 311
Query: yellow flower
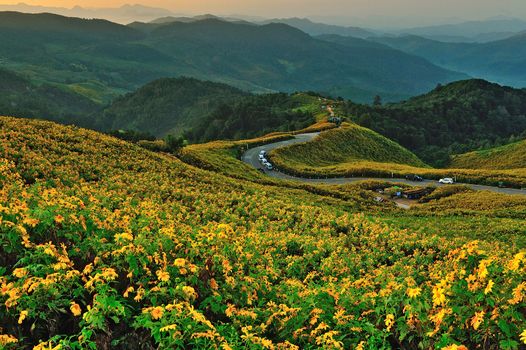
20 272
413 292
168 328
477 320
455 347
489 287
179 262
109 274
523 336
22 316
189 292
6 339
157 312
439 296
75 309
389 321
163 276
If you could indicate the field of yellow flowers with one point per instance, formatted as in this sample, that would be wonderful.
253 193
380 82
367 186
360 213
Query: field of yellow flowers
104 245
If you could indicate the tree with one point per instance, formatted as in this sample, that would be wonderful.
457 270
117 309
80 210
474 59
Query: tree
377 101
365 120
174 143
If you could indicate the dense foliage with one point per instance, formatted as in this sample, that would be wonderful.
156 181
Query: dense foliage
105 245
167 105
21 98
451 119
252 116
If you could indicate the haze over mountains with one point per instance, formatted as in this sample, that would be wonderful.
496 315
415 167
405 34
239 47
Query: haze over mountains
101 59
275 57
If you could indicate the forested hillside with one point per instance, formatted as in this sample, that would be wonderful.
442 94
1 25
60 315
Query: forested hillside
451 119
167 106
21 98
255 116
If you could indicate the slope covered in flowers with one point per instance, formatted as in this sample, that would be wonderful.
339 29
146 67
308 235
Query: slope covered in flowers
105 245
511 156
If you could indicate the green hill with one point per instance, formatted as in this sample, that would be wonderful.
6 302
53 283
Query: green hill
167 104
510 156
205 111
348 146
257 115
21 98
262 58
451 119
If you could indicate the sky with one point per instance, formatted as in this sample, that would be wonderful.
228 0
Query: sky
338 10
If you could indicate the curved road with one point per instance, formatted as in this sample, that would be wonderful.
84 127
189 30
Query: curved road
252 157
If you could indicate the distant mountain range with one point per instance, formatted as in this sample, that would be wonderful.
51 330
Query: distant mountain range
314 28
471 31
259 58
124 14
502 61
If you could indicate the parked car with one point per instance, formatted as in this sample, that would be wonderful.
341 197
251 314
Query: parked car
261 157
414 178
447 181
262 153
269 166
264 162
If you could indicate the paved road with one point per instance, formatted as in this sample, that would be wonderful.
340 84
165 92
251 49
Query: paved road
252 157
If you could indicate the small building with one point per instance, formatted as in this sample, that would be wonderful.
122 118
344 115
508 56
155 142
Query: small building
417 193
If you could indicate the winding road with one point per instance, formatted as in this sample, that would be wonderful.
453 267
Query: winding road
252 157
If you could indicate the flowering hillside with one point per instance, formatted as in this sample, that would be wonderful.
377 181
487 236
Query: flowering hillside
104 245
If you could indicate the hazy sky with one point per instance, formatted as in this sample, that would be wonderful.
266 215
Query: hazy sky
439 10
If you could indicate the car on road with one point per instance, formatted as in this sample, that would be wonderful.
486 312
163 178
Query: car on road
262 153
261 157
446 181
269 166
414 178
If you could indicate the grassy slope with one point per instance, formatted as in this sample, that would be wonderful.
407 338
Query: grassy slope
345 147
511 156
348 144
356 151
136 242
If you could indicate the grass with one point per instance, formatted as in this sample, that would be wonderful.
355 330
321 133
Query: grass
348 144
511 156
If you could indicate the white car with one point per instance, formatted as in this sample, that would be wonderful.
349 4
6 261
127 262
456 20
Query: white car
261 157
264 161
262 153
447 181
269 166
